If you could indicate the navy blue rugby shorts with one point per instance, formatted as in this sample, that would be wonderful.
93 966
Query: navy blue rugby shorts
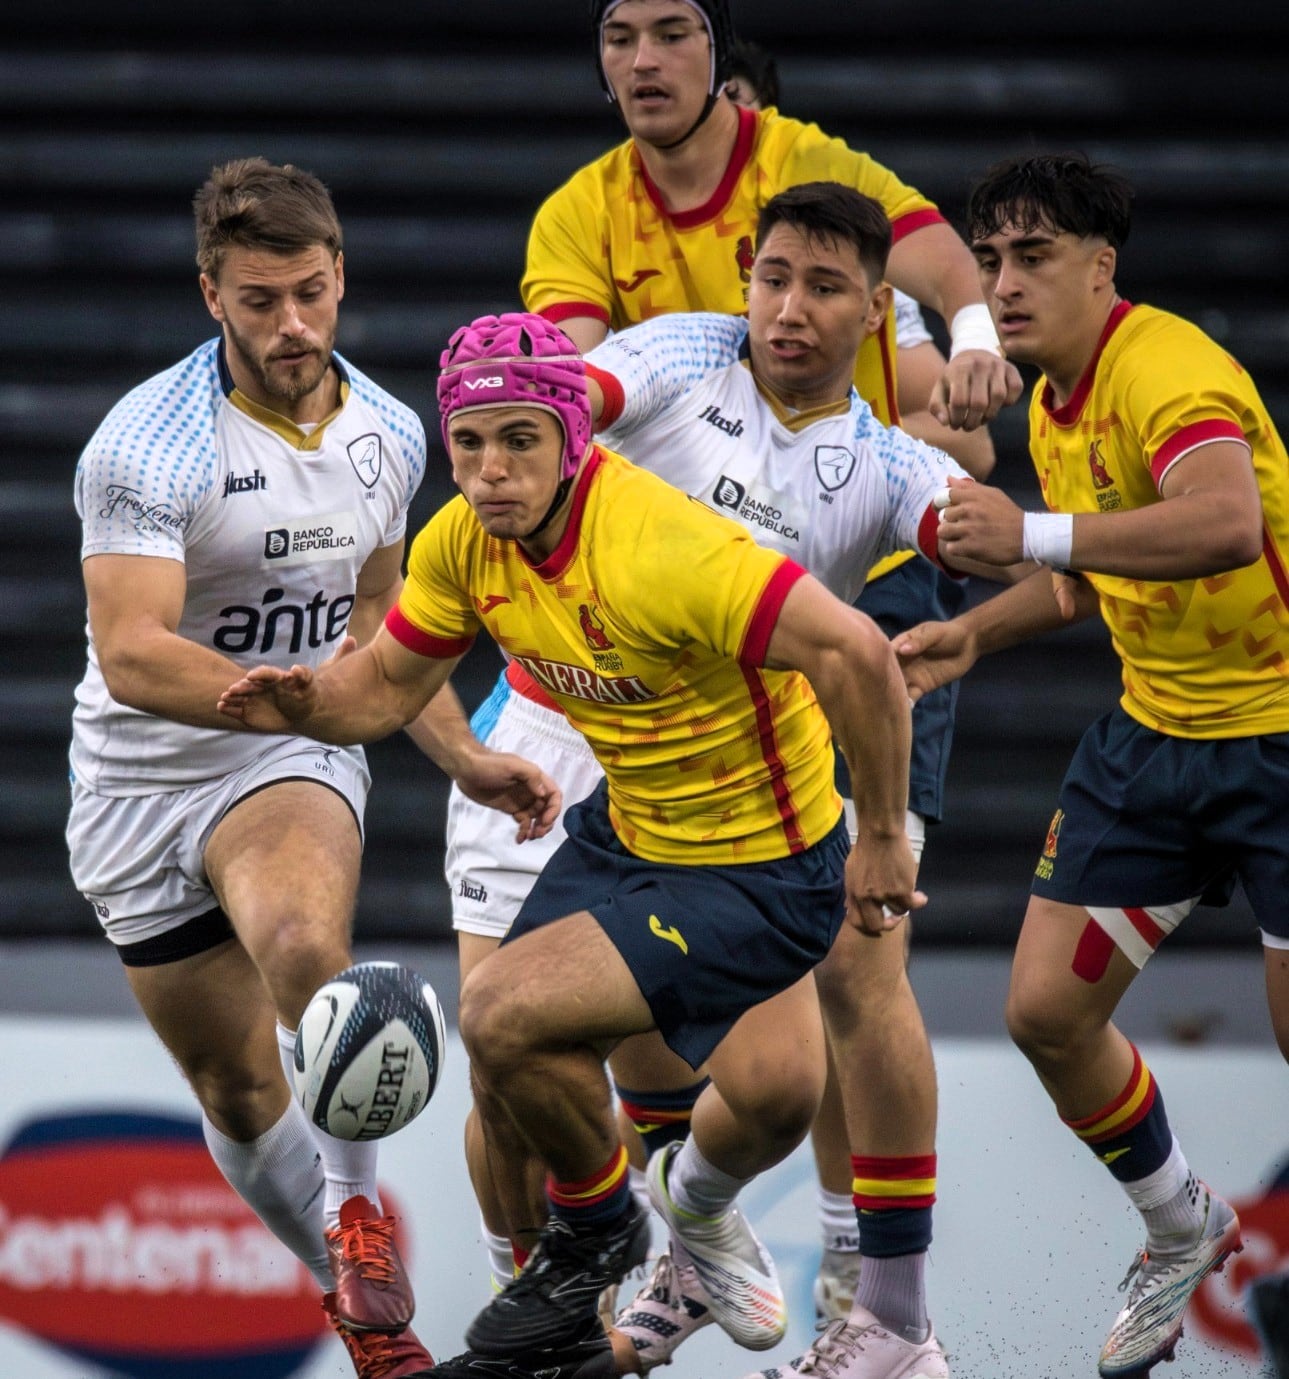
704 943
1149 819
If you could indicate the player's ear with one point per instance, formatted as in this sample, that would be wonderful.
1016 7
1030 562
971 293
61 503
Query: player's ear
879 305
340 274
1107 259
210 295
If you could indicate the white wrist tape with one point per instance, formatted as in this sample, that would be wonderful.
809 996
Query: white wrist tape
972 328
1048 537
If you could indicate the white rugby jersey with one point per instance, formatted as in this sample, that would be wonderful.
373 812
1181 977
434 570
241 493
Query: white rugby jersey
272 524
831 487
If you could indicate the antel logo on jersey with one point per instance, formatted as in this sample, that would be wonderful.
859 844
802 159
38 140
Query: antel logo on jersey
330 537
120 1243
834 465
365 456
1217 1312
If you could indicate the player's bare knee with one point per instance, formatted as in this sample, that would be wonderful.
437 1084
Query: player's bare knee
1046 1034
493 1028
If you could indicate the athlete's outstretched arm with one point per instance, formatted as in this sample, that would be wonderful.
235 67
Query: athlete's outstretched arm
360 695
1210 521
934 653
936 268
135 604
856 678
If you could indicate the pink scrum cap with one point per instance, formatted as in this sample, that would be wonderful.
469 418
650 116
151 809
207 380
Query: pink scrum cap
518 359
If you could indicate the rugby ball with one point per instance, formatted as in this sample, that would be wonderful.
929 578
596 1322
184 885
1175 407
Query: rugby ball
369 1051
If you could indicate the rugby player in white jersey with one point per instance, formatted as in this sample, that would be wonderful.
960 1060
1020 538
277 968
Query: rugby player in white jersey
756 418
248 505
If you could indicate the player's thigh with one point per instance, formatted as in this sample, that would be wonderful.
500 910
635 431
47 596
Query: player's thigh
564 983
284 862
643 1062
1067 974
775 1056
1277 971
214 1016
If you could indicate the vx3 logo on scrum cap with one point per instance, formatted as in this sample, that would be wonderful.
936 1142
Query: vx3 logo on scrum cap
474 384
121 1244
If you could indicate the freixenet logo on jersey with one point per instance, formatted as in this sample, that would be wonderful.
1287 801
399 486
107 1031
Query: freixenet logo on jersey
330 537
121 1244
577 681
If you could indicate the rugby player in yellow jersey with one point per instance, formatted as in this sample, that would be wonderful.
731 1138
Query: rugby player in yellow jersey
1168 490
700 886
666 222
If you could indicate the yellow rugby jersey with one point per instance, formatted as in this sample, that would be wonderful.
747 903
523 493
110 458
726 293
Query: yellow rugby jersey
1202 658
648 625
604 245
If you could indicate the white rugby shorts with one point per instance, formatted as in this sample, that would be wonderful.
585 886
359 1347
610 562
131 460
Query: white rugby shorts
488 873
138 859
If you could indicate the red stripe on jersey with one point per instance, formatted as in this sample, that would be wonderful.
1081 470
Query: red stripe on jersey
523 684
914 220
929 541
687 220
566 311
756 640
407 634
1276 565
1069 414
770 755
614 398
1191 438
558 561
1144 925
884 342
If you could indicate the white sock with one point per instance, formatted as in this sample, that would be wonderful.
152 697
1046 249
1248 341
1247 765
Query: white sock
349 1165
696 1185
639 1188
501 1256
837 1221
893 1289
1168 1200
279 1176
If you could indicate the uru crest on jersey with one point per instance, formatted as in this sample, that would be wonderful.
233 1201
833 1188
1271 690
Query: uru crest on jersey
834 465
364 455
122 1245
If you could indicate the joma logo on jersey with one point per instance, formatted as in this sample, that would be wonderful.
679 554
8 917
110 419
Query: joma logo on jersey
712 415
279 625
252 483
578 682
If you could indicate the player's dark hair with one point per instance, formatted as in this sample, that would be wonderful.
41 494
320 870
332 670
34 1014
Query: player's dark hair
755 66
831 211
1063 192
253 203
